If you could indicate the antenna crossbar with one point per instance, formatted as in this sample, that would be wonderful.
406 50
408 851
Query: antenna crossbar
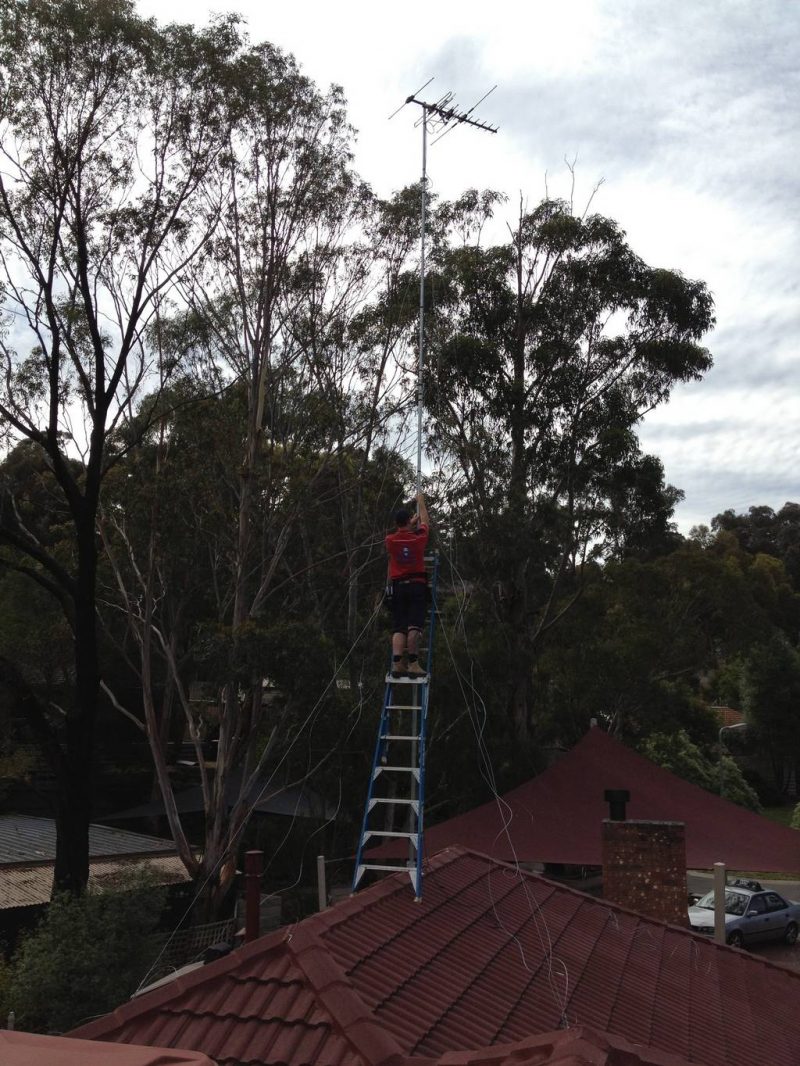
451 113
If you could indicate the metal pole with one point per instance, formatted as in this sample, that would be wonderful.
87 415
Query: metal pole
719 902
253 865
322 887
421 355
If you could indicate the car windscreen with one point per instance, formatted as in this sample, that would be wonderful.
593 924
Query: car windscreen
735 902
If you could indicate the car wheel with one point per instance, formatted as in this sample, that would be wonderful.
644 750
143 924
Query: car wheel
736 939
790 936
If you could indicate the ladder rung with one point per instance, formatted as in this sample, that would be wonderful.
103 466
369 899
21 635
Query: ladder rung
401 769
403 802
382 866
393 833
408 680
403 707
395 736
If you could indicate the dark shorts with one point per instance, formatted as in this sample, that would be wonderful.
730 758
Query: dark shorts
409 604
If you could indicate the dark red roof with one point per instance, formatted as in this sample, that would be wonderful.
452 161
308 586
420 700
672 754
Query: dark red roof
556 817
582 1046
489 957
32 1049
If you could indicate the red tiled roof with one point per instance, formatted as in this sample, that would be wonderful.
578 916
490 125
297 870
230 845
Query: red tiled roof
31 1049
572 1047
727 716
556 817
257 1005
489 957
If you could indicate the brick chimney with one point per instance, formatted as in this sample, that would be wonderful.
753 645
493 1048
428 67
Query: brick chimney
644 868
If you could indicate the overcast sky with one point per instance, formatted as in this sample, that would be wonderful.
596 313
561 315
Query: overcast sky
687 111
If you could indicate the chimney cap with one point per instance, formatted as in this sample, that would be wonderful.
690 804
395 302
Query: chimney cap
617 798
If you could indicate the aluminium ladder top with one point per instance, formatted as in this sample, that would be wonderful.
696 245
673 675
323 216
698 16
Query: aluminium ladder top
397 780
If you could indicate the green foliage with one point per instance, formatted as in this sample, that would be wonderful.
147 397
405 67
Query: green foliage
678 754
764 531
86 957
544 354
770 687
795 822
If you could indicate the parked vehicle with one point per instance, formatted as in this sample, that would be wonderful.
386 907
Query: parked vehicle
751 915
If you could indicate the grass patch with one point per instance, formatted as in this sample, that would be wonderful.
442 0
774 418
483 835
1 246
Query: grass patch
782 815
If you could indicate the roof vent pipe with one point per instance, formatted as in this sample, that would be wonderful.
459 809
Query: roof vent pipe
616 798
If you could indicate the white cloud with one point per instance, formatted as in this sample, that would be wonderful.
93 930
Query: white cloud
688 110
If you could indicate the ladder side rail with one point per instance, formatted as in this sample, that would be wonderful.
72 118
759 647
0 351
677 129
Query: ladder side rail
424 725
414 756
383 728
421 796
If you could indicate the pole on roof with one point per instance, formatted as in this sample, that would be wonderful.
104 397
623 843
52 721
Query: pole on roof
322 886
421 355
719 902
444 116
253 866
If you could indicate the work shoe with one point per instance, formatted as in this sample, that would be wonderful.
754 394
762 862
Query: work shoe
415 669
399 668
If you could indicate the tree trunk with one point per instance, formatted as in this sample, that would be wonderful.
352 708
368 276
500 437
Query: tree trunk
74 804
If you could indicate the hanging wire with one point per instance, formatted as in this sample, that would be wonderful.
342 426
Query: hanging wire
478 719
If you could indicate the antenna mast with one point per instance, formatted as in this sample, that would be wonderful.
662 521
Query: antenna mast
441 116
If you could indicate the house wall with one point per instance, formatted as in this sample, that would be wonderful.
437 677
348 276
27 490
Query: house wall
644 868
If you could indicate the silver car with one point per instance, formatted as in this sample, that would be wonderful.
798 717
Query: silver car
751 914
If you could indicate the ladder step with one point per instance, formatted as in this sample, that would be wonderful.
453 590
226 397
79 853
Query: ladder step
382 866
403 707
395 736
400 769
393 833
395 802
407 680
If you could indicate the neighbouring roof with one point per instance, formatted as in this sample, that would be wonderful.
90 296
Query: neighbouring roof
293 802
24 838
727 716
30 1049
557 816
28 851
32 885
490 958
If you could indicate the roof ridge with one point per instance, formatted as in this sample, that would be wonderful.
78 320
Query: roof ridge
349 1014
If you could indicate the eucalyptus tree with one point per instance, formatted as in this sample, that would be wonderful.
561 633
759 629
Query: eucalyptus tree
272 316
109 128
545 352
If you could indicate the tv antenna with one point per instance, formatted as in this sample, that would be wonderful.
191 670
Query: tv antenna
438 119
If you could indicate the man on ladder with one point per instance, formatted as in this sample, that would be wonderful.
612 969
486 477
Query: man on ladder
408 581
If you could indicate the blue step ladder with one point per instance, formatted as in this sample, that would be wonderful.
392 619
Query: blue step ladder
400 752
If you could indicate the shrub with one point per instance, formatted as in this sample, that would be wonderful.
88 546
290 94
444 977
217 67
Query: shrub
86 956
677 753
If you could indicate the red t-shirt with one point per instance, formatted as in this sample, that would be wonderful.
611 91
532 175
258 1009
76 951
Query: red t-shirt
406 550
